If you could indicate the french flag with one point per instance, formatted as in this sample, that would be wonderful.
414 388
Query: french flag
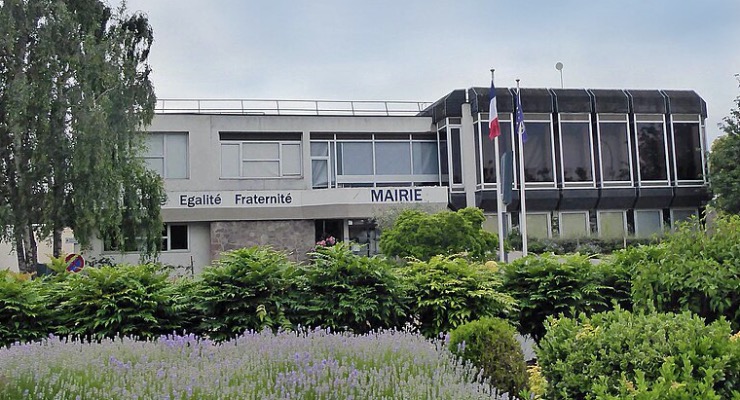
494 129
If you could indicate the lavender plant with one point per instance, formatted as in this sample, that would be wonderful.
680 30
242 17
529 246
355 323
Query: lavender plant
314 364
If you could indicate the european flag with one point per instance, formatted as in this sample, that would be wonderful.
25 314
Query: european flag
519 120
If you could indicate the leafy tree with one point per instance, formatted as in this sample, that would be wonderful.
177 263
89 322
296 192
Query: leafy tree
422 236
723 166
74 91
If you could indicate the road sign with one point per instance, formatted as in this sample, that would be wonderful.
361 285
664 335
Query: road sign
74 262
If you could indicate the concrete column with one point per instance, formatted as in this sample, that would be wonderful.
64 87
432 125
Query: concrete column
467 150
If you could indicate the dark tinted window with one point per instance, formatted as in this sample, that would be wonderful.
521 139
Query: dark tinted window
615 161
688 151
538 152
576 152
651 142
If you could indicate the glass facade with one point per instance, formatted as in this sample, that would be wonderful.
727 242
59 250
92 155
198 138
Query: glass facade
575 137
687 142
538 162
648 222
651 150
615 151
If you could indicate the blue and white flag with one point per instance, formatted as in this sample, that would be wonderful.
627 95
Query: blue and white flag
519 120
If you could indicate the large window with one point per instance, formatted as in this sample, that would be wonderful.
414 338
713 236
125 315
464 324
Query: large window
167 154
538 151
574 224
612 224
486 159
614 150
260 158
688 148
374 160
651 145
648 222
539 225
575 140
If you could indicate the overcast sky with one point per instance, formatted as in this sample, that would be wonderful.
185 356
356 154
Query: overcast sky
423 49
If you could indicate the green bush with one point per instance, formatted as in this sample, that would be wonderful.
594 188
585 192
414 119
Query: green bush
490 344
550 285
23 313
693 269
247 289
584 245
449 291
344 291
125 300
620 355
419 235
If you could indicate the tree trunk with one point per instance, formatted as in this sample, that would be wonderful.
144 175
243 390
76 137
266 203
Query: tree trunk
56 248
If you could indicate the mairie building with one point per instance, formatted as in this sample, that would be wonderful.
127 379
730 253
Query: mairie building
602 163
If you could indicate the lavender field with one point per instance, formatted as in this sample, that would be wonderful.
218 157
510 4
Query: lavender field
307 365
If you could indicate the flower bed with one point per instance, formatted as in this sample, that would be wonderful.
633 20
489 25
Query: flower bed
306 365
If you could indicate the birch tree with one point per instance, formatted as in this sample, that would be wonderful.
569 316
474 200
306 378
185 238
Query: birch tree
74 96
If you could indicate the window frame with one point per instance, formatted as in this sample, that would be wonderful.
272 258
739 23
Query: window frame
373 179
280 158
639 234
612 119
688 118
167 235
599 217
164 157
574 118
587 226
652 119
537 118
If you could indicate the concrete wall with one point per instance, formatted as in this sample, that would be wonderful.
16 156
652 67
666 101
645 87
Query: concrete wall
9 260
198 254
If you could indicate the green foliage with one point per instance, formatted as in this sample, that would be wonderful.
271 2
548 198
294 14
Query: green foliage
724 169
588 246
550 285
491 345
420 235
620 355
344 291
693 269
247 289
448 291
23 315
136 301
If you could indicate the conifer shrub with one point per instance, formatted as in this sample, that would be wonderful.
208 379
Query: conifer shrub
621 355
490 344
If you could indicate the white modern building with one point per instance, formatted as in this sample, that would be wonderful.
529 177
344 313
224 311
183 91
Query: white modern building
289 173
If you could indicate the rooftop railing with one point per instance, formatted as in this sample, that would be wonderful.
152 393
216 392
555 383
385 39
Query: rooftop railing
290 107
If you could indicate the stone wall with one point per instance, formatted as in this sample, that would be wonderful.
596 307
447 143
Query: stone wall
294 237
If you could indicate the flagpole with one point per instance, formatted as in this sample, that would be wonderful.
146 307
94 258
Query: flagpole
522 189
499 190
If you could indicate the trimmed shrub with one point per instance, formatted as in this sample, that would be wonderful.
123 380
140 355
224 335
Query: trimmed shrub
550 285
416 234
344 291
490 344
107 302
449 291
618 355
247 289
693 269
23 315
